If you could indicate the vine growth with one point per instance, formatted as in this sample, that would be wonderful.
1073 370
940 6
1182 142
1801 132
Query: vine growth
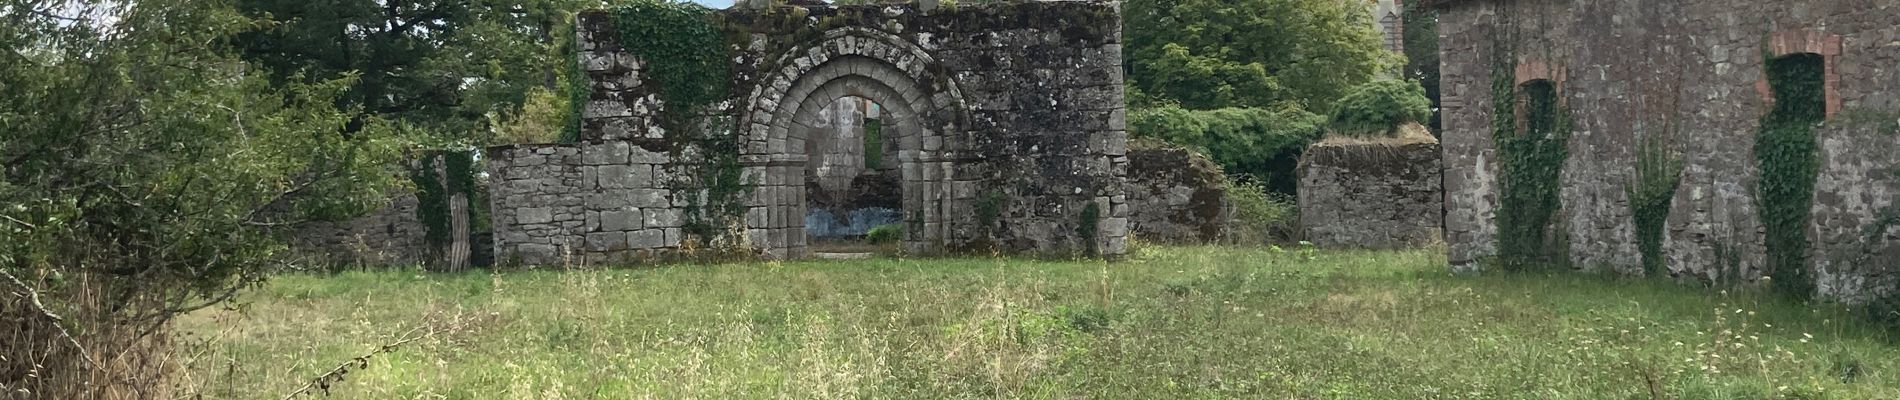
1531 137
1785 151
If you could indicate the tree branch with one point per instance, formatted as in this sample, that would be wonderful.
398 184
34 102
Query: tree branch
32 298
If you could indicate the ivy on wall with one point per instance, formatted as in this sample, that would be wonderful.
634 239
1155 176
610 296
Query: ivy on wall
686 53
1785 151
1531 159
433 192
1658 175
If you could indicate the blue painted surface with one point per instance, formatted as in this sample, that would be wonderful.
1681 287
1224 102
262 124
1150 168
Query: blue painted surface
823 224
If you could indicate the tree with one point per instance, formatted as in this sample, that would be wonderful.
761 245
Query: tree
1207 54
145 166
444 66
1421 52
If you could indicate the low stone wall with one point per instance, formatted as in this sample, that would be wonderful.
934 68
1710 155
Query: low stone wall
388 236
1372 193
1175 195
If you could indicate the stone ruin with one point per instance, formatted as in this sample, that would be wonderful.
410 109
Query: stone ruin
1007 123
1377 193
1691 75
1178 196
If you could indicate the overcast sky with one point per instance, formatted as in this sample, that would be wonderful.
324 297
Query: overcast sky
715 3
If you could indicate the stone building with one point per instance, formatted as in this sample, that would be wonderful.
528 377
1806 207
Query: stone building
1177 195
1675 93
1020 102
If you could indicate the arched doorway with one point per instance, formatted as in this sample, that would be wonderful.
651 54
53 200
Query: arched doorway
917 115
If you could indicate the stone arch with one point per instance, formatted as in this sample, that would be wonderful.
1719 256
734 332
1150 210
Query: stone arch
901 77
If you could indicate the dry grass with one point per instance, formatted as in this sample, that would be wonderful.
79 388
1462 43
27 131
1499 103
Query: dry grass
1198 322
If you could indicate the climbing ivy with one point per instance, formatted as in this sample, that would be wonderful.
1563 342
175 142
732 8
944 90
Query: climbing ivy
1531 160
432 199
685 52
433 193
1658 174
1786 153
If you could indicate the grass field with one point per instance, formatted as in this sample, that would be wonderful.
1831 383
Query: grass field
1192 322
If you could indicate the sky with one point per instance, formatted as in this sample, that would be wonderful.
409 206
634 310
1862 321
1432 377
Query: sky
715 3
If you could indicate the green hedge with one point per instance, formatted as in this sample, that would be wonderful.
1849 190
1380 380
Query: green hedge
1242 140
1377 108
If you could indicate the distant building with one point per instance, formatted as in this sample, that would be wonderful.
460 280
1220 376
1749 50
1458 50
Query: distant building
1388 17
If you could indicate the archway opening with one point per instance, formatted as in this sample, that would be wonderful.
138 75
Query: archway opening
853 181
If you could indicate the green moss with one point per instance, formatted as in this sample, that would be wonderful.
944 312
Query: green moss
1785 151
1531 160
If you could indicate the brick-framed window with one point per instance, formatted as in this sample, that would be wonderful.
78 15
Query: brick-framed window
1797 42
1538 83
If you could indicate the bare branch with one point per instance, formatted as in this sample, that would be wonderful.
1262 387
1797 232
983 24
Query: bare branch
33 300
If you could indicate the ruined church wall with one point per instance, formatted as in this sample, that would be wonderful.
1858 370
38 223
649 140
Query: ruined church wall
1627 69
1021 100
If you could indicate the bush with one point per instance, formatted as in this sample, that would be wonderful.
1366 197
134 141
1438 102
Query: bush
1260 216
1243 141
885 234
1377 108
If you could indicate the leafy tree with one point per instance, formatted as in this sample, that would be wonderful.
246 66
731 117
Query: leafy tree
446 66
1208 54
1259 144
144 167
1421 52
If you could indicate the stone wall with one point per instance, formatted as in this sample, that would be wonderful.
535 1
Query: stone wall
1176 196
1692 71
1020 99
390 236
1372 193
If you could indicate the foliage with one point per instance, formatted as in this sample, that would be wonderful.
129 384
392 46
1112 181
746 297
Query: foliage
885 234
1209 54
1421 53
1531 159
1785 150
1183 322
145 167
1658 174
989 208
1259 215
545 117
1379 107
443 66
1244 141
684 51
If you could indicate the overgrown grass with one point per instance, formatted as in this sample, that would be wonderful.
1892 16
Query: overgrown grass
1200 322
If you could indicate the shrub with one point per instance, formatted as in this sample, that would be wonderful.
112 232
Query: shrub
1260 216
885 234
1377 108
1244 141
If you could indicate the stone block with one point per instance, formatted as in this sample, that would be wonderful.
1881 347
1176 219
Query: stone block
664 218
535 215
613 152
622 220
646 239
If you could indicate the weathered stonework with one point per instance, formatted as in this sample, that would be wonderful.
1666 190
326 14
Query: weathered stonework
1693 71
1176 196
391 235
1022 99
1372 193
